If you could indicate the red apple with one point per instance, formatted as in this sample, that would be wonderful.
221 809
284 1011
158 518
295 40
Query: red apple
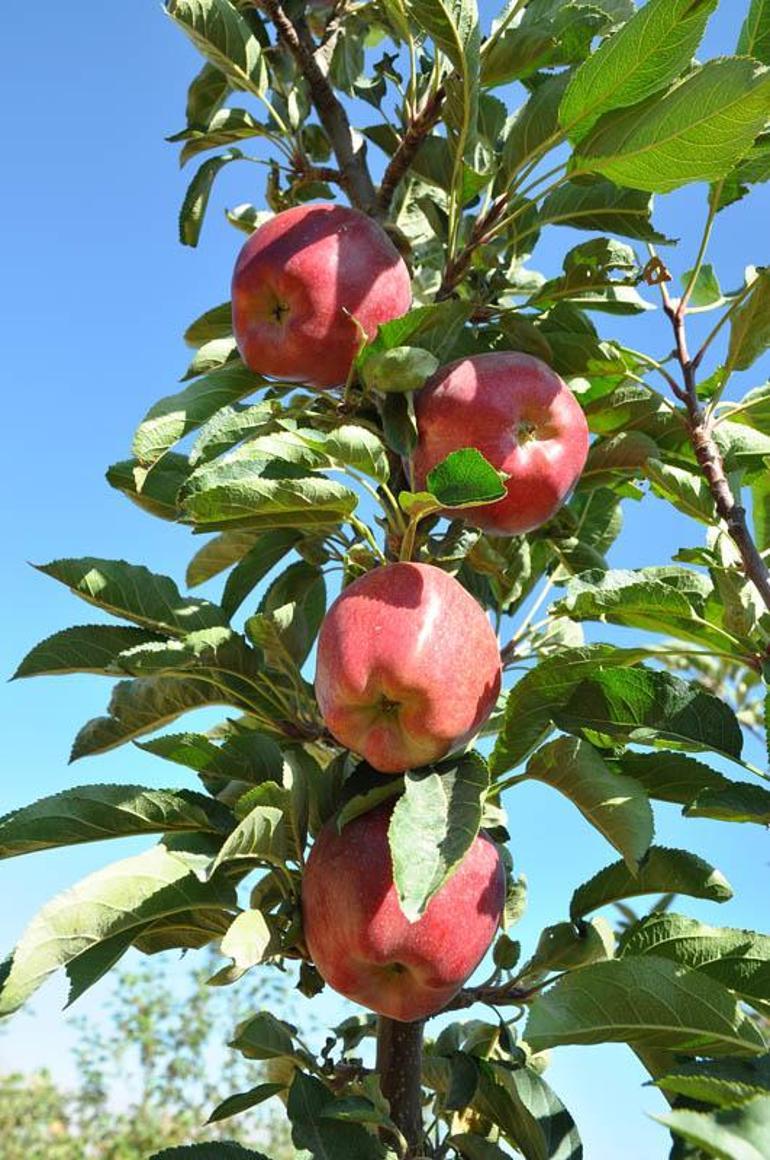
359 938
522 417
306 284
408 666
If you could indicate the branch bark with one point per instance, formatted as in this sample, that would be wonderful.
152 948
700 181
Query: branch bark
500 996
350 152
399 1065
413 138
457 267
710 459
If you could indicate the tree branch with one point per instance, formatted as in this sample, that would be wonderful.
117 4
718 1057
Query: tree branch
350 153
399 1065
710 460
415 134
457 267
500 996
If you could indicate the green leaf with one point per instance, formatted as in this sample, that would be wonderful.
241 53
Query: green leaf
309 1106
224 38
214 323
403 368
267 551
615 458
212 650
143 705
650 708
261 837
533 125
565 947
88 648
617 806
750 325
212 356
249 940
719 1081
91 813
241 1102
296 603
663 871
465 478
735 802
174 416
117 900
206 93
706 292
687 490
667 599
453 26
399 424
225 127
263 495
648 52
754 39
738 959
220 1150
530 1114
647 1002
433 826
729 1134
695 132
600 205
134 593
196 199
350 445
670 777
248 757
262 1036
153 489
535 698
434 328
217 555
752 169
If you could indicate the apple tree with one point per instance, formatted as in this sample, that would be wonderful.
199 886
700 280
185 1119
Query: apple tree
384 439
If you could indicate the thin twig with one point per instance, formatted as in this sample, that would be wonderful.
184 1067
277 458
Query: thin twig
415 134
349 151
710 459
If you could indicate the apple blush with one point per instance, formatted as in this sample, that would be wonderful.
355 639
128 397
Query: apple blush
408 667
308 286
522 418
364 946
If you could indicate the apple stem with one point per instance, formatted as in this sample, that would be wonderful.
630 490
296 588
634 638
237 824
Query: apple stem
399 1064
407 544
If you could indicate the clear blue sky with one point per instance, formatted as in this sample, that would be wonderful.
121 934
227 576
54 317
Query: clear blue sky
95 294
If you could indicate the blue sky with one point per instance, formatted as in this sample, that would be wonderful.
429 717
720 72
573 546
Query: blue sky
95 295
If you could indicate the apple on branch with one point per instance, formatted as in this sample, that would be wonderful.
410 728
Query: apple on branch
362 943
408 666
309 286
523 419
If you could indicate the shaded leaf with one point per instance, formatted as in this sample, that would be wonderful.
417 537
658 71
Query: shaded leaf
134 593
663 871
119 899
647 1002
433 826
88 648
695 132
617 806
92 813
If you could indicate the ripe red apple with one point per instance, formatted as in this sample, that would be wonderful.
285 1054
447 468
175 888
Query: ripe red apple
408 666
522 417
306 284
359 938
